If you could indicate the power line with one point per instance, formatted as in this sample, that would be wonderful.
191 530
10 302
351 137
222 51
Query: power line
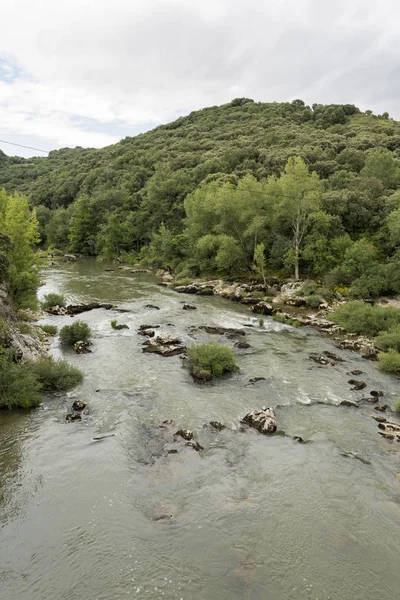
21 146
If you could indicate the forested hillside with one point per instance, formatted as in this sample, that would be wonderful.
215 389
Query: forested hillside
296 189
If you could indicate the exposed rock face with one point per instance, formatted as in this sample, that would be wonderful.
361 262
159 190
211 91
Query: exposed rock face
263 420
295 301
165 345
263 308
77 309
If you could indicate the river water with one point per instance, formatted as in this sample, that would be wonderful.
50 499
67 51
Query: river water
251 517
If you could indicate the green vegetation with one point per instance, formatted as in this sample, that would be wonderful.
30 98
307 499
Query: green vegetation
261 322
19 387
389 362
211 360
231 190
18 262
56 375
49 329
313 301
396 406
389 340
280 318
362 318
78 331
114 323
52 299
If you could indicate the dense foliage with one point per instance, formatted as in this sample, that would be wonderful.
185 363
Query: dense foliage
362 318
51 300
19 388
211 360
232 189
56 375
78 331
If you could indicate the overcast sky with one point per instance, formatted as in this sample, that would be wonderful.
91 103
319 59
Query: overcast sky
90 72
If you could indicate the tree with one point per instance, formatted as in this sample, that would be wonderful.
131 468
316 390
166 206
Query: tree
21 228
298 199
84 226
382 165
259 262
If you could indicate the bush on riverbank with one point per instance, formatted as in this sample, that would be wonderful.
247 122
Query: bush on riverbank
51 300
364 319
389 362
396 406
19 387
56 375
211 360
49 329
78 331
390 339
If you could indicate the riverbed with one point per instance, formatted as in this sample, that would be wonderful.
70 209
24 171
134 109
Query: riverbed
250 517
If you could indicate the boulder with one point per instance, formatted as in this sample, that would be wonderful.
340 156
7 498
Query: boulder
255 379
222 330
146 332
153 306
165 345
189 307
77 309
357 385
186 289
320 359
390 431
78 405
381 407
376 393
242 345
263 308
119 327
333 356
263 420
142 327
217 425
82 347
69 258
205 291
74 416
349 403
186 434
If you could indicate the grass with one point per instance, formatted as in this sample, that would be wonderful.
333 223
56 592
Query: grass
210 360
364 319
114 323
70 334
396 406
51 300
56 375
49 329
389 362
261 322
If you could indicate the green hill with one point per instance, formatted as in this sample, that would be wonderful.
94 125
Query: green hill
130 197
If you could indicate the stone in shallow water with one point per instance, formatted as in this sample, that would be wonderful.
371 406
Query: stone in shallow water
263 420
165 345
186 434
357 385
189 307
82 347
78 405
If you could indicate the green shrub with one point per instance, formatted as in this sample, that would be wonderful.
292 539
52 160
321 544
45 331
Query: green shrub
362 318
49 329
396 406
211 360
390 339
5 333
389 362
56 375
261 322
280 318
114 323
313 301
70 334
52 299
19 387
308 289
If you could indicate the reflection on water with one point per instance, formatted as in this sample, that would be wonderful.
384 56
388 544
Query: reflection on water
251 517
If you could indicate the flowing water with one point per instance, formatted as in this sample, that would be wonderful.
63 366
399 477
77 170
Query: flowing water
251 517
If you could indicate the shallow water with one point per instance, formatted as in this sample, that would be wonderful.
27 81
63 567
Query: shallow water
251 517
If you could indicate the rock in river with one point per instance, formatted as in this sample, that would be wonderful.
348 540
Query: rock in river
78 405
263 420
189 307
263 308
165 345
391 431
82 347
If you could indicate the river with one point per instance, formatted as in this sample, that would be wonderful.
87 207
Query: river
251 517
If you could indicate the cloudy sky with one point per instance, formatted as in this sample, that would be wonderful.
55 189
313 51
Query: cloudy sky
89 72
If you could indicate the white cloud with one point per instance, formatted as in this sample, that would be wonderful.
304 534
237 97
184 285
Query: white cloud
135 62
